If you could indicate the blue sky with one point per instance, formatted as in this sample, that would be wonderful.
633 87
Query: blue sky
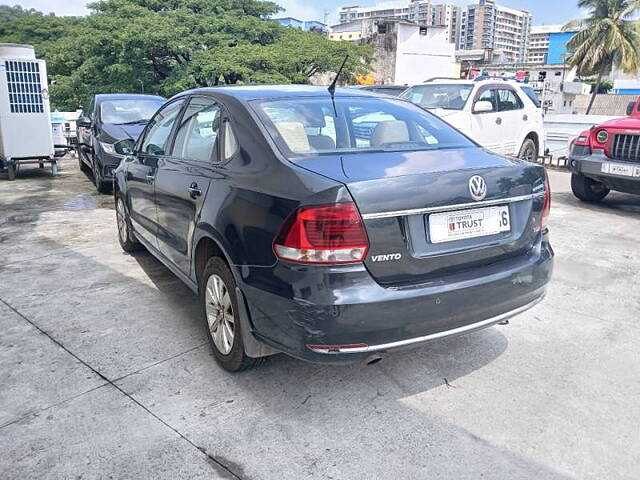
545 12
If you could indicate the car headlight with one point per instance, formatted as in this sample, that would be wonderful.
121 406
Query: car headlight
108 147
602 136
582 139
123 147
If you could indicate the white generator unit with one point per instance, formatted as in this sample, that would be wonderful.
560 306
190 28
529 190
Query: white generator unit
25 122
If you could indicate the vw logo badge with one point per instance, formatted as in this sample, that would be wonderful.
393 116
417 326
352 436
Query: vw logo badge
477 188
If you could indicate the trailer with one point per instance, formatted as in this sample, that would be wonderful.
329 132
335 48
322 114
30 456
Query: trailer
25 122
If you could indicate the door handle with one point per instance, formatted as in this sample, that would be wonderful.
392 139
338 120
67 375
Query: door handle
525 117
499 121
194 191
150 178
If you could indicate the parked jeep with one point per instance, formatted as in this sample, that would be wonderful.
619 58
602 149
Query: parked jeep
607 157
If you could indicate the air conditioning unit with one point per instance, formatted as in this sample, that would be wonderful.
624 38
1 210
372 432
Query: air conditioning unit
25 124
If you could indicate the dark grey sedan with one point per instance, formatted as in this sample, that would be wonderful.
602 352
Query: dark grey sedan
334 229
107 130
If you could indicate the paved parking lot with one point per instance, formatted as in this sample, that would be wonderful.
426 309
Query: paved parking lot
105 371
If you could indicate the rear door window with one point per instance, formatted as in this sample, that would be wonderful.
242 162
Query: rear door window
531 93
508 100
197 135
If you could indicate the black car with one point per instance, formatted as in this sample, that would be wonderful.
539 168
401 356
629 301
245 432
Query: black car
303 237
107 130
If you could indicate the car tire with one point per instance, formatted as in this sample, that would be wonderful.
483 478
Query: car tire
221 314
126 237
528 151
588 190
102 186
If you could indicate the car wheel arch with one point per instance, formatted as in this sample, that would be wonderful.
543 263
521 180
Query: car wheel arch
206 246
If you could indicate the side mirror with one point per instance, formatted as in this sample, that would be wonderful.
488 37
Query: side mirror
154 150
630 108
84 122
483 106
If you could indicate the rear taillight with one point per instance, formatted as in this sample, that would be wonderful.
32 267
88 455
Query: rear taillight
323 234
546 207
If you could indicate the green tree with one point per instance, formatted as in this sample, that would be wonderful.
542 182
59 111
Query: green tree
608 37
166 46
605 86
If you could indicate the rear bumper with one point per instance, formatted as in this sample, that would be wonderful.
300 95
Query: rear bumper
325 306
591 166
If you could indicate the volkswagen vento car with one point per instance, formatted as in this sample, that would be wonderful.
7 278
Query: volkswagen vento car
332 228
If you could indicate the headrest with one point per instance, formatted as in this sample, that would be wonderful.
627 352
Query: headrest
389 131
294 136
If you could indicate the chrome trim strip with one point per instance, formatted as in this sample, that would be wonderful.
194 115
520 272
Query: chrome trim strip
452 208
447 333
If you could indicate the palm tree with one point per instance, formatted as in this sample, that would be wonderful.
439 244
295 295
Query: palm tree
608 37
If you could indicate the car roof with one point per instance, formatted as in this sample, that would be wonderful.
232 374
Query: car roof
125 96
462 81
260 92
375 87
443 81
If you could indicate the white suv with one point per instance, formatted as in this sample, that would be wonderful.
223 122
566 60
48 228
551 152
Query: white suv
502 116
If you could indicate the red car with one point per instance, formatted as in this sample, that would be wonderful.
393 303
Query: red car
607 157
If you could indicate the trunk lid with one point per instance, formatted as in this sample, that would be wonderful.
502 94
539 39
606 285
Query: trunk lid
396 192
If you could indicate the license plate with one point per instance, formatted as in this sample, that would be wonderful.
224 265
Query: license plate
463 224
620 169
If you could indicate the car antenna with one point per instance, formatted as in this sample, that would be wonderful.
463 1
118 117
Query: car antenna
332 87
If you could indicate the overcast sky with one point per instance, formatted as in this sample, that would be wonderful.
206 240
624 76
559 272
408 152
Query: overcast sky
545 12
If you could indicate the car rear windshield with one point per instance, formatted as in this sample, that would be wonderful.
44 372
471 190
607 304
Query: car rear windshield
129 110
307 126
449 97
531 93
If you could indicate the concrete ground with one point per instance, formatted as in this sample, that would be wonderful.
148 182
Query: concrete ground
105 371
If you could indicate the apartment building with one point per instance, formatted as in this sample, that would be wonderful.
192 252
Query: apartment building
448 16
422 12
502 31
539 42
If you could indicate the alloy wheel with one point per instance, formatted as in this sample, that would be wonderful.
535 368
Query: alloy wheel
219 311
121 220
528 154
